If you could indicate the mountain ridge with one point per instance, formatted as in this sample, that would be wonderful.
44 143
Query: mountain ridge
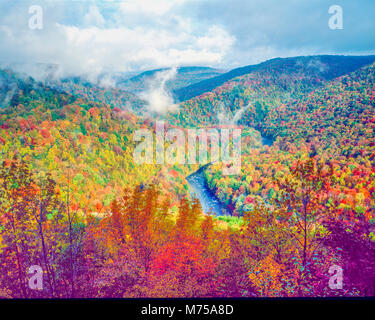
207 85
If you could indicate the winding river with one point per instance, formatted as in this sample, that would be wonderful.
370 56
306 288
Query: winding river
198 188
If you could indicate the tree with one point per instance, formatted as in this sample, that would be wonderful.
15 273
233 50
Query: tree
300 203
16 235
179 269
32 232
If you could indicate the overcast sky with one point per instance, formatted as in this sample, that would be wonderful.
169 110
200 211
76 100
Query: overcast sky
85 36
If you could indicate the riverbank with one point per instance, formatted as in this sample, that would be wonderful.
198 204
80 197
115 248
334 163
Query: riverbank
199 189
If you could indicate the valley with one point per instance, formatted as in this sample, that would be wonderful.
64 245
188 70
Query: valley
75 200
198 188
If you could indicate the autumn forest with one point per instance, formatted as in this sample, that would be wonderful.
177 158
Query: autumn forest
78 209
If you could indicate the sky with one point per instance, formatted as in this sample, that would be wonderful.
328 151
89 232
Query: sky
92 37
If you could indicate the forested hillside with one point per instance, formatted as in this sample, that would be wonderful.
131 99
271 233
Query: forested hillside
324 67
88 142
332 124
74 202
185 76
112 96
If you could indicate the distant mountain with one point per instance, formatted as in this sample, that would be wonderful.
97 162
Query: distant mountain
116 98
185 76
248 98
38 71
327 67
14 87
333 124
8 85
340 115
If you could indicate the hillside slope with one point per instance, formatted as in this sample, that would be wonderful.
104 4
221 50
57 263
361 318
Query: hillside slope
327 67
249 98
185 76
75 139
115 97
335 125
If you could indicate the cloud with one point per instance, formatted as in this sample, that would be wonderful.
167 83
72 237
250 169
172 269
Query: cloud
123 49
315 63
239 113
102 41
94 17
107 81
158 99
89 38
268 29
149 7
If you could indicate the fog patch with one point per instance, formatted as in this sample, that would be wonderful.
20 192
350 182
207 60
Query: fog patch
318 65
239 113
314 63
158 99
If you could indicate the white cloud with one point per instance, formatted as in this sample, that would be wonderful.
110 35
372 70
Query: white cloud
130 35
121 49
158 99
109 44
93 17
149 7
215 38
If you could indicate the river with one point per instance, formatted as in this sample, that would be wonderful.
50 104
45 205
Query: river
198 188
